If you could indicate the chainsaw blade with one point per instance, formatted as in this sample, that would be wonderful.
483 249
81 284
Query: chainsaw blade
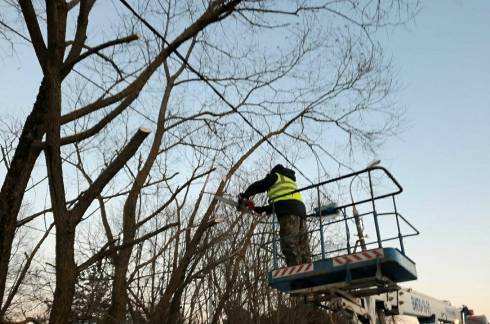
234 203
228 201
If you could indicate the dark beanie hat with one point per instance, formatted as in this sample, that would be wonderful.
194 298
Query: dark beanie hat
277 168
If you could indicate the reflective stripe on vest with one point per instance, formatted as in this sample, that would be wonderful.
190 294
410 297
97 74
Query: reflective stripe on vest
281 187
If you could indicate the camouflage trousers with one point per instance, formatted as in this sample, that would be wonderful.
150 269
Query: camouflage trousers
294 239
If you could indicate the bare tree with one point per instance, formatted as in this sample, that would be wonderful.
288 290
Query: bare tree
46 120
235 82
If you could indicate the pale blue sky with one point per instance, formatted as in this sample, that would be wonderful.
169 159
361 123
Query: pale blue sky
442 157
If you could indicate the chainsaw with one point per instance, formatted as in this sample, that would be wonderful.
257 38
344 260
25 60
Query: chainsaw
241 204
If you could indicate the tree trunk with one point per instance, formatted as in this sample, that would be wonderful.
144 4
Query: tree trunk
119 294
65 275
63 219
16 179
119 300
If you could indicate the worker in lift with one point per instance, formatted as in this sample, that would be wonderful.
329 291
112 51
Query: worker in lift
290 211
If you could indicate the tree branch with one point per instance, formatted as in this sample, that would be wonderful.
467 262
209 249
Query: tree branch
212 15
98 185
179 189
23 272
104 253
69 64
71 4
30 19
80 36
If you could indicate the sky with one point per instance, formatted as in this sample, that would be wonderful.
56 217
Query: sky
442 157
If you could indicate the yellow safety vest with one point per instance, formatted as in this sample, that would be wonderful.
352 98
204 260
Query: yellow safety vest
281 187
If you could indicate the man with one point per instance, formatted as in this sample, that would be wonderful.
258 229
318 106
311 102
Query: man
290 211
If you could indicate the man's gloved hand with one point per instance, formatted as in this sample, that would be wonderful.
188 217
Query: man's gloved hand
240 201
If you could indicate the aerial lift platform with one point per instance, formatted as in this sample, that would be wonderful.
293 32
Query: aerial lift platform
359 268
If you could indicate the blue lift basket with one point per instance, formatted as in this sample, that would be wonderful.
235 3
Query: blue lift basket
355 265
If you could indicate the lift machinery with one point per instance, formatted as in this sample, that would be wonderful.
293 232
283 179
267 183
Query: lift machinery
359 275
